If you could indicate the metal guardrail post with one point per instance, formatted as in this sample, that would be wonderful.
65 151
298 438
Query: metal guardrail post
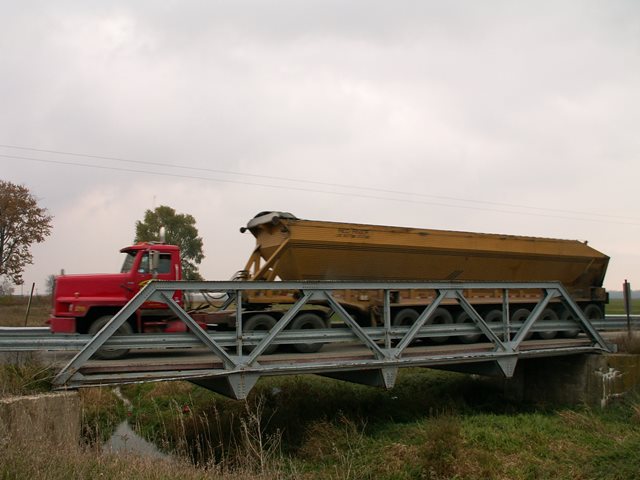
238 296
386 316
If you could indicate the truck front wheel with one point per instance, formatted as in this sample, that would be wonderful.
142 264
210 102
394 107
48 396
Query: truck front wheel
110 353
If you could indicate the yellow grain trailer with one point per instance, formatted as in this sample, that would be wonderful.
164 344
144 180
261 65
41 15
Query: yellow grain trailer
289 248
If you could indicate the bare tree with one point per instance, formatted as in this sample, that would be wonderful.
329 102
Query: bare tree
22 223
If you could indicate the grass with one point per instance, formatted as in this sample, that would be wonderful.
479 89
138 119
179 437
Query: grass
23 374
434 425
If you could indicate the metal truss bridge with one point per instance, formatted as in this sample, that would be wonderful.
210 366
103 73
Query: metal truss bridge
230 362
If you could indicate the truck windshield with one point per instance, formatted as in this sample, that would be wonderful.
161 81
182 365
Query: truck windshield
128 262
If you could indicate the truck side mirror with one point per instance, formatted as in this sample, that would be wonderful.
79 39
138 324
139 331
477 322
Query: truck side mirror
154 262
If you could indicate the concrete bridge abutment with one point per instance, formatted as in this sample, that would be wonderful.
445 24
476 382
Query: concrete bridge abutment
595 380
49 421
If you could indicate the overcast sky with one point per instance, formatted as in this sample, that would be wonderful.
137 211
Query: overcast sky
505 117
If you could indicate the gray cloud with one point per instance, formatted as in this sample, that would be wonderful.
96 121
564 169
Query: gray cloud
499 102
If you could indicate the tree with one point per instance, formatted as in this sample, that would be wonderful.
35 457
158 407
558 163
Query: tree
180 230
22 223
6 288
51 284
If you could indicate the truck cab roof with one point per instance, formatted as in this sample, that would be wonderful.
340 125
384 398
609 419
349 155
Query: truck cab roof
164 247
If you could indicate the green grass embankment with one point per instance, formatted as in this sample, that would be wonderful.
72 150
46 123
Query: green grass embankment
433 425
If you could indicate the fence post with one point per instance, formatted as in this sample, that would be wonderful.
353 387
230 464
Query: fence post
626 289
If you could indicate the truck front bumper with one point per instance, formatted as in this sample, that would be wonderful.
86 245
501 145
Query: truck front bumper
62 324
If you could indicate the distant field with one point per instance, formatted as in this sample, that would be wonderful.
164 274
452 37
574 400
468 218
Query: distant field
13 311
616 307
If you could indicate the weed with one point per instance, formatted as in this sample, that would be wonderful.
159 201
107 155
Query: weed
628 342
440 451
24 374
102 411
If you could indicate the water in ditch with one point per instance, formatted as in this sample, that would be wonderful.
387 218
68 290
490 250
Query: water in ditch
125 440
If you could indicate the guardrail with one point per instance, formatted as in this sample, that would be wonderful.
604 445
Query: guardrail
234 370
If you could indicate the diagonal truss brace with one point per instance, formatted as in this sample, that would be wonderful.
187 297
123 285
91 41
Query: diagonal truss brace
355 328
480 322
549 294
419 323
582 320
103 335
278 327
197 330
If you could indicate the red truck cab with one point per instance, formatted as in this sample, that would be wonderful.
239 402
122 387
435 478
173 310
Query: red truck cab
83 303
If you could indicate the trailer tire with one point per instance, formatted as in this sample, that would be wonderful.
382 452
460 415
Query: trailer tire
405 317
593 312
307 321
260 322
567 315
463 317
547 314
109 353
494 317
440 317
521 315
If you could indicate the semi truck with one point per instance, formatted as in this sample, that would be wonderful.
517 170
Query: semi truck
289 248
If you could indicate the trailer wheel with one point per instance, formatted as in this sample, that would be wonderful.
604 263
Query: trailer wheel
463 317
593 312
521 315
405 317
547 314
440 317
567 315
110 353
260 322
494 317
307 321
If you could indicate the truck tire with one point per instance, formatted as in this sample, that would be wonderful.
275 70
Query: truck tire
440 317
463 317
259 322
109 353
307 321
591 312
405 317
547 314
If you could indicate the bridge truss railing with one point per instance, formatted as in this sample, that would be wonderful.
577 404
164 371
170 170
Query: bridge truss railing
239 360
